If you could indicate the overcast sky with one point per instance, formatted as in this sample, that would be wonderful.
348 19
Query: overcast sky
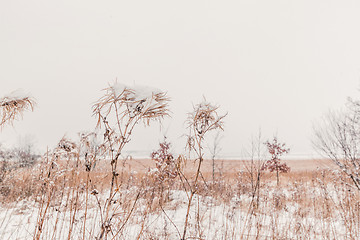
275 65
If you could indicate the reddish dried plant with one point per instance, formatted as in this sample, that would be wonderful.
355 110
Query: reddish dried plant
276 150
166 165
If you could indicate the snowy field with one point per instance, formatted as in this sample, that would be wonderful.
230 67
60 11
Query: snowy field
306 205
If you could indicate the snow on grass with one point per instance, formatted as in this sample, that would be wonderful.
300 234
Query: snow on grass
138 93
16 95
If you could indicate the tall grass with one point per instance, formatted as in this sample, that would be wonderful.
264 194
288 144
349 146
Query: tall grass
306 205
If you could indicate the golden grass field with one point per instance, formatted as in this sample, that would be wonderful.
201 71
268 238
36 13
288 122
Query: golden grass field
234 166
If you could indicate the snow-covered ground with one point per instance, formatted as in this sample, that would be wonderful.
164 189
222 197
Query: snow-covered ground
276 218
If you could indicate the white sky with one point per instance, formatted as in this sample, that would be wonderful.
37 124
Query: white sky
278 65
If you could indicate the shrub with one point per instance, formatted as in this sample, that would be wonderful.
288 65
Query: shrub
276 149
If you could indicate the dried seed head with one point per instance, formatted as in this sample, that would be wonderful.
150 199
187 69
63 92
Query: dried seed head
138 103
13 105
205 118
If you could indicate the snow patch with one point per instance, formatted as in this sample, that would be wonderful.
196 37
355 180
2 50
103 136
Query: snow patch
17 95
139 93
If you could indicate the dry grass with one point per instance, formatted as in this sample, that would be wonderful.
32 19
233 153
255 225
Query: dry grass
24 182
305 197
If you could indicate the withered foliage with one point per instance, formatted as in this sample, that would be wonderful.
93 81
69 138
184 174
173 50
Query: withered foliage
202 119
119 110
13 107
130 107
276 149
166 165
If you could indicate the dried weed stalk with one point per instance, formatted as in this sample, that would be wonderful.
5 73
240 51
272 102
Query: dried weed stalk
254 169
54 176
118 112
203 119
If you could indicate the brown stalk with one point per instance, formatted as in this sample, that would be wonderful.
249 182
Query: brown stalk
203 119
118 112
